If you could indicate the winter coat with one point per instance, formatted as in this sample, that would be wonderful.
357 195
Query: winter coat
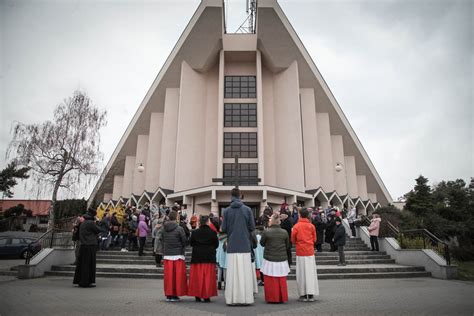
142 227
351 216
88 231
174 239
330 228
238 223
340 235
287 225
374 227
221 255
320 226
276 243
158 243
303 236
204 242
104 226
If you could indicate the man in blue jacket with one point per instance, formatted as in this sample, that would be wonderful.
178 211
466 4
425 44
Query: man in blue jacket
238 224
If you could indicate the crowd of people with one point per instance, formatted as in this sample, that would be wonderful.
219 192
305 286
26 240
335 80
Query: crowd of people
240 248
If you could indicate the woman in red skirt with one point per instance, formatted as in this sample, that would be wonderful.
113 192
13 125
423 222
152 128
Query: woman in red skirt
202 276
275 261
174 241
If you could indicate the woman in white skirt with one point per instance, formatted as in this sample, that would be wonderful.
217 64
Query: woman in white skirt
275 261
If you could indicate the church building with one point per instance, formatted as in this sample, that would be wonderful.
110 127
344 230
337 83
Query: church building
257 96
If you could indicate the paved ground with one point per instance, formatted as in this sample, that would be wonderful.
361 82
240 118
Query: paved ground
57 296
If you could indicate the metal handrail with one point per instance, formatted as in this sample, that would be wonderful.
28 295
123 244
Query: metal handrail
44 237
399 234
426 233
436 240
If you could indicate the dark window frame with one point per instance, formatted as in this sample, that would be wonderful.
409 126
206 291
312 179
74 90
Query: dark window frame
248 173
240 115
240 87
242 144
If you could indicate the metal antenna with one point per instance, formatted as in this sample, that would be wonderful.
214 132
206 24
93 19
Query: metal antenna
251 8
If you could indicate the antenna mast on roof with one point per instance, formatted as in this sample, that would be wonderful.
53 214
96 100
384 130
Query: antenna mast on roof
251 9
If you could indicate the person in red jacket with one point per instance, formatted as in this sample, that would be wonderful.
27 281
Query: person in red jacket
303 236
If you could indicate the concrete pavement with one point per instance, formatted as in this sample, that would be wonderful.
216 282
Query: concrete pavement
57 296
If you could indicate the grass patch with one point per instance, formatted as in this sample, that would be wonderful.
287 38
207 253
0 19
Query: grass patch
465 270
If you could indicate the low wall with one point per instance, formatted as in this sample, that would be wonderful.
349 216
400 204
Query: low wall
427 258
43 262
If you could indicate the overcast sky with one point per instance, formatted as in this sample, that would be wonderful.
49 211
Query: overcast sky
402 71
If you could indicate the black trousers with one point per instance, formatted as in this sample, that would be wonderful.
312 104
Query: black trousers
340 250
353 229
158 258
142 245
374 243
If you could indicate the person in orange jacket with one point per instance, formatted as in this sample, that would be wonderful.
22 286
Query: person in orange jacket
303 236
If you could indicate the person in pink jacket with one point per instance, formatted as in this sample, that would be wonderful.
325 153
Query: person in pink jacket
374 230
142 232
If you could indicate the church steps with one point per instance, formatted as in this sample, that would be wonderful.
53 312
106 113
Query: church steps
366 271
366 268
318 262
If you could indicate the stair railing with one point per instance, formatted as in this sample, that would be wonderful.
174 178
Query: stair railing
53 238
430 241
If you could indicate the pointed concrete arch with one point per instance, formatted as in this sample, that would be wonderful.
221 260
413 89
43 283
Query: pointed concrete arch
145 197
370 207
346 201
359 205
320 196
335 200
111 204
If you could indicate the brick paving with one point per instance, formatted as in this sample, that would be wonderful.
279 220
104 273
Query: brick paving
57 296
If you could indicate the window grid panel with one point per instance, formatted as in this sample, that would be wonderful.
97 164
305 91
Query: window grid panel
240 115
240 87
248 173
244 145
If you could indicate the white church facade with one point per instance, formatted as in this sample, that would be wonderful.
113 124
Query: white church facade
258 96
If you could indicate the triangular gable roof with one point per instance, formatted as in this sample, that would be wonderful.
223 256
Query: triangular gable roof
144 196
318 193
368 204
209 12
335 195
270 43
111 203
162 192
358 201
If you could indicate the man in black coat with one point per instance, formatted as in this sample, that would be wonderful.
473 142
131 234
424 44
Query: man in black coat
340 240
84 275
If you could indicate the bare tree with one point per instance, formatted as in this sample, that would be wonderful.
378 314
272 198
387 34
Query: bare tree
64 151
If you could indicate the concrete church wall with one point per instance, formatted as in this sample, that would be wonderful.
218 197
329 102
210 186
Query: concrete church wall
189 170
351 175
153 161
118 187
140 158
168 142
326 165
288 139
268 128
211 126
130 168
337 147
310 139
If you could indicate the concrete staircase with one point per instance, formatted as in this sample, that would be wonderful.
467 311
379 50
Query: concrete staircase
361 264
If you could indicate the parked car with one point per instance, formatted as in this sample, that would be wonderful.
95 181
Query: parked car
18 246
